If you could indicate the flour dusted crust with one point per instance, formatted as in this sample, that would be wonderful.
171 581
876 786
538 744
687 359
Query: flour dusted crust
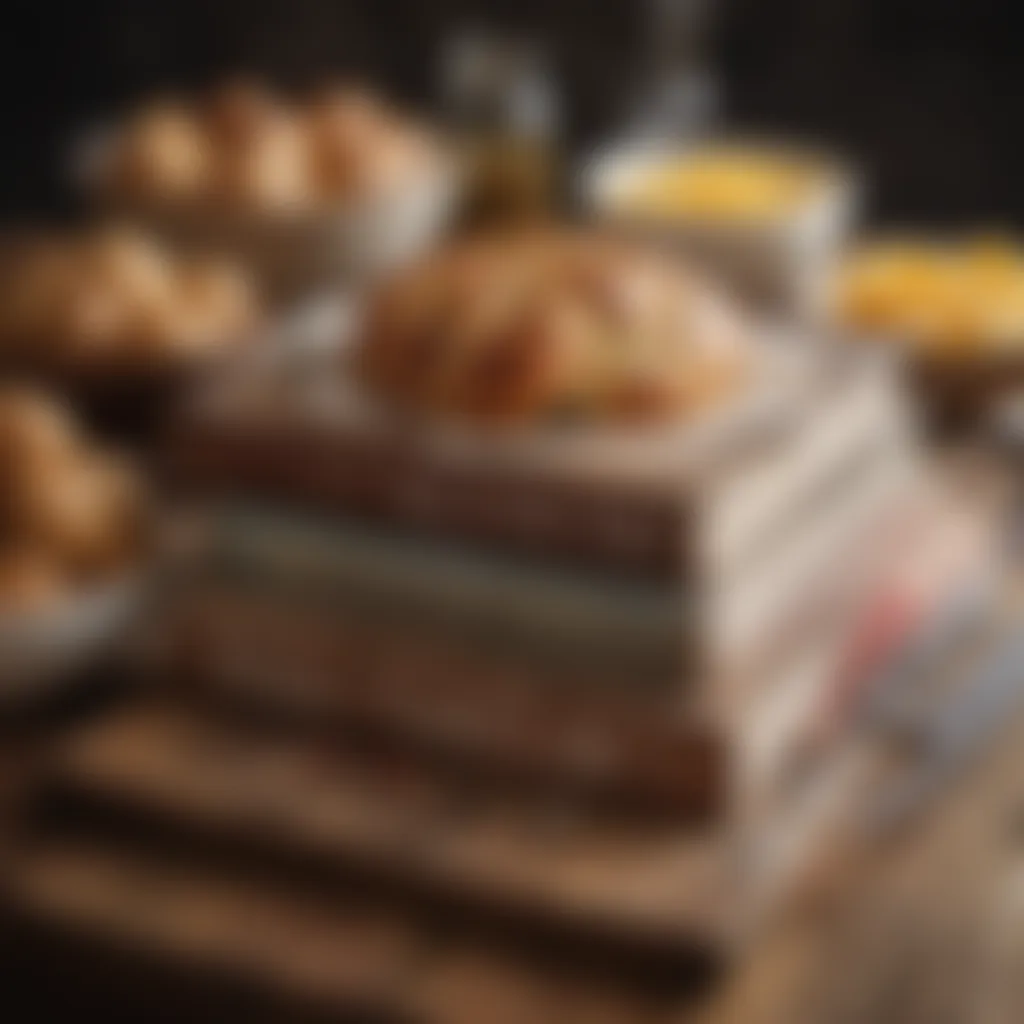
551 326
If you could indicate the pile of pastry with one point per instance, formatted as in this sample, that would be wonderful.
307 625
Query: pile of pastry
551 327
113 300
71 514
243 148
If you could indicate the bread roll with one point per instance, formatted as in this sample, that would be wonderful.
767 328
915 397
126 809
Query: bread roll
163 155
547 326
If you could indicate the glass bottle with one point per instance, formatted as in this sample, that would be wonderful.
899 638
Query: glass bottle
502 108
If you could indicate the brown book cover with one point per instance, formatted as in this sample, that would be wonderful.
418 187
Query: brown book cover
659 749
626 500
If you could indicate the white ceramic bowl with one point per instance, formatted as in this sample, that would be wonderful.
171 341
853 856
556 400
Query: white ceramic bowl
781 264
294 254
43 650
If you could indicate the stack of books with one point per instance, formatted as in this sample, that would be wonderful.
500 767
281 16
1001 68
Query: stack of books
568 717
654 620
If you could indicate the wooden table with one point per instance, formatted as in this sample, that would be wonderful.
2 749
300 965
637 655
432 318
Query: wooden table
926 927
923 927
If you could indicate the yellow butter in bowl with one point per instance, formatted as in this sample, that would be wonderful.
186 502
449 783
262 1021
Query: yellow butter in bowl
728 184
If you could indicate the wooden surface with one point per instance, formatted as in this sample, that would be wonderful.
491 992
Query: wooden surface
930 931
925 926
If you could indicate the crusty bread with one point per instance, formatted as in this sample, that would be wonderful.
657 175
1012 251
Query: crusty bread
101 302
548 326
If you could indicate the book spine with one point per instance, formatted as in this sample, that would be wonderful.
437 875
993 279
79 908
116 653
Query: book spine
252 653
603 526
630 631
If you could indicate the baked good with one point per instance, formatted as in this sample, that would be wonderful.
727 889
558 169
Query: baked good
32 431
162 151
245 149
113 300
68 510
358 147
84 510
259 157
551 326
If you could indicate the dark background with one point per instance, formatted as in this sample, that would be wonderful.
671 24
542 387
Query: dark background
925 94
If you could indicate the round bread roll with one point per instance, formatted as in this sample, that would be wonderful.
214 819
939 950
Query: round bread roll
261 159
342 125
246 148
35 435
363 154
84 510
163 155
213 308
34 431
125 260
69 513
269 171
